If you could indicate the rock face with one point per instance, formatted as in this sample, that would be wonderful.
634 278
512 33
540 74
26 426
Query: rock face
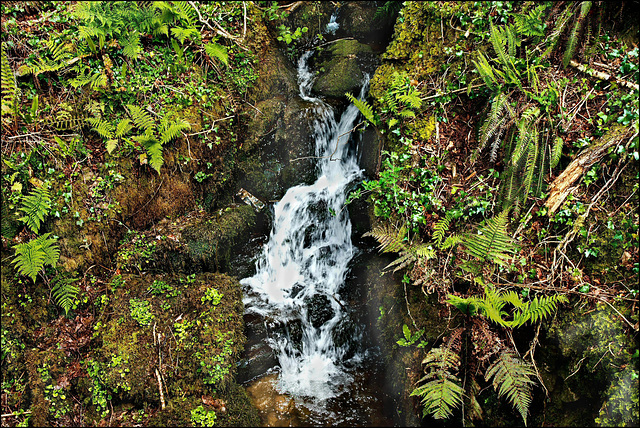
341 66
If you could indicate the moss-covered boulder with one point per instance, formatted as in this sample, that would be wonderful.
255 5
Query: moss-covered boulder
169 341
582 361
341 66
195 242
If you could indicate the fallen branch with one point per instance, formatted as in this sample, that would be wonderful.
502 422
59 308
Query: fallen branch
562 185
602 76
218 29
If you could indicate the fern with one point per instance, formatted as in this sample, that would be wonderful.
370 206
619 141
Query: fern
364 107
218 51
389 238
531 24
511 376
556 152
64 292
10 91
154 150
36 207
496 121
440 228
32 256
440 393
492 243
170 130
141 118
492 305
585 6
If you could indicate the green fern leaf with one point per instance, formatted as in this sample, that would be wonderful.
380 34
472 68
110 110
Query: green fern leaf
364 107
36 207
170 130
440 228
65 292
492 243
32 256
440 393
141 118
510 376
102 127
556 152
9 86
123 127
154 150
389 238
573 38
131 45
216 50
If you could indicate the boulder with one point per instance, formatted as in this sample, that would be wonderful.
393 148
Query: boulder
341 66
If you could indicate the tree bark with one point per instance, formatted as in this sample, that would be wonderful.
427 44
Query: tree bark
562 185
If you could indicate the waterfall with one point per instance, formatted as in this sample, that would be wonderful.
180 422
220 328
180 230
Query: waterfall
303 265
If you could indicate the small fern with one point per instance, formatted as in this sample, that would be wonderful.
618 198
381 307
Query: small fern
216 50
440 228
32 256
440 392
585 6
364 107
36 207
511 376
142 119
390 239
492 242
10 91
64 292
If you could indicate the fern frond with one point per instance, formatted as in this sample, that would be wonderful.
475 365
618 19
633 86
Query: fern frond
585 6
185 11
131 45
492 243
451 241
364 107
183 34
440 393
65 292
404 259
102 127
216 50
496 120
556 152
123 127
440 228
32 256
389 238
154 150
486 71
170 130
36 207
530 24
411 98
141 118
537 309
530 167
9 86
510 376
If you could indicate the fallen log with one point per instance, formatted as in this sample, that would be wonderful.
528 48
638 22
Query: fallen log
562 186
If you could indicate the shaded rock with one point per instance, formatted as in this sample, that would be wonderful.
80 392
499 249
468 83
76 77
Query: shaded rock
192 243
319 310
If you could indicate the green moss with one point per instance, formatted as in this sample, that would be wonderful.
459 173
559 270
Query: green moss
620 407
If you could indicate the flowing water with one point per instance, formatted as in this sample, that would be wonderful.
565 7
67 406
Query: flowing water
299 285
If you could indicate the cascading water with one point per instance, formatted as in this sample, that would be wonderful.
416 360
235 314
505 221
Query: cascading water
305 262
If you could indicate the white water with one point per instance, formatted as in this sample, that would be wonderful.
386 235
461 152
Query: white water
332 26
305 261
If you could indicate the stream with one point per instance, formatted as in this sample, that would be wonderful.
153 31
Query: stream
306 317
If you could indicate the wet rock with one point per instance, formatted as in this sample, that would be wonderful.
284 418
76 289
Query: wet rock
319 310
341 66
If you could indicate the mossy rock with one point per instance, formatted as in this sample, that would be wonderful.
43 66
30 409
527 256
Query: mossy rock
581 354
192 243
341 67
187 329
